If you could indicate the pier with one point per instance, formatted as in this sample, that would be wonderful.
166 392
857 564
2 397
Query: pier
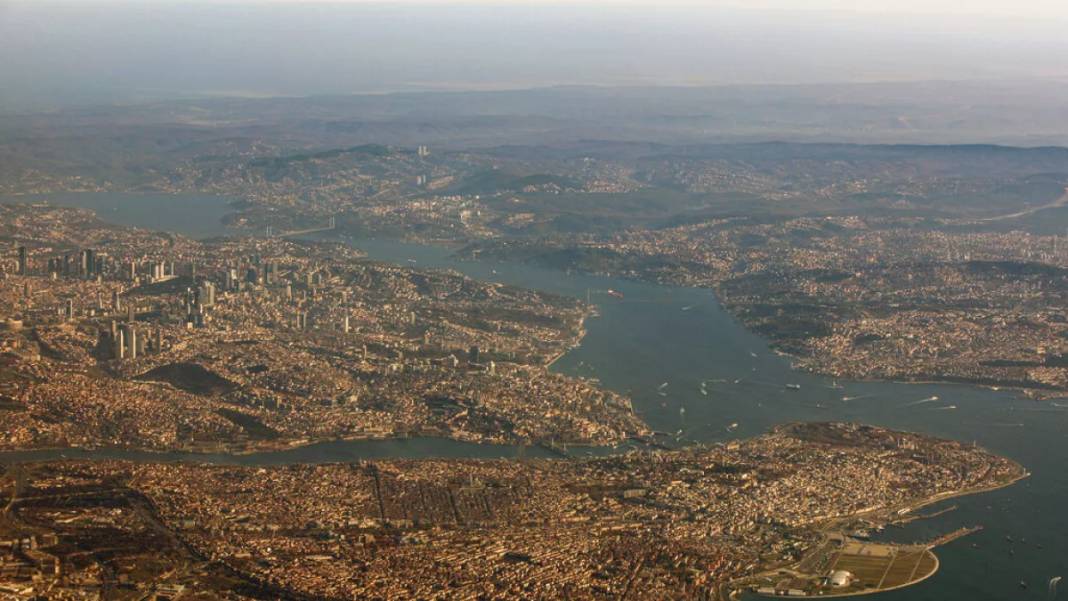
952 536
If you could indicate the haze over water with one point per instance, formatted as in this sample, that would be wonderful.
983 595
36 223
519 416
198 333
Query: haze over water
77 53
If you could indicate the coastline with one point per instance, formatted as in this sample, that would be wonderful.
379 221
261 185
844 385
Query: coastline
734 592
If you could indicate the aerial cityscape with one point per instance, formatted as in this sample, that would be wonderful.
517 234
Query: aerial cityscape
345 300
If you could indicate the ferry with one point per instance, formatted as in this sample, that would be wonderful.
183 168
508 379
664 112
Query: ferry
929 399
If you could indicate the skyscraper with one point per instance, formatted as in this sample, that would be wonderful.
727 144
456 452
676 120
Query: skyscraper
131 341
88 264
23 261
119 339
206 294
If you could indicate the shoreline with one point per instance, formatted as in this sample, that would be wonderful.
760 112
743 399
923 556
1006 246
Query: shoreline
945 496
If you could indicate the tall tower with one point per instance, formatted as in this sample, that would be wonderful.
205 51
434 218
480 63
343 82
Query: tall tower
206 294
120 341
131 341
24 261
88 263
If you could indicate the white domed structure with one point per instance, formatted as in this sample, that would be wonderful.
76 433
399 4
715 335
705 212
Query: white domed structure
840 578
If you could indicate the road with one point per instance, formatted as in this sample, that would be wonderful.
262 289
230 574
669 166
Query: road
1060 202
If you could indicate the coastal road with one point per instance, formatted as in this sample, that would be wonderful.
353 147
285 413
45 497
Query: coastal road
1060 202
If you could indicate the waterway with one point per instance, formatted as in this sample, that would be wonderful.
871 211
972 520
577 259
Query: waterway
682 337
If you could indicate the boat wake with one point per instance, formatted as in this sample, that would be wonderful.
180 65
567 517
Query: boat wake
929 399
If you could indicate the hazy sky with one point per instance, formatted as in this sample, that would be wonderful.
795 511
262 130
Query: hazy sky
1020 8
70 52
1023 8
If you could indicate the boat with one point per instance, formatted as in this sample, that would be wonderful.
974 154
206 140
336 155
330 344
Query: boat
752 354
615 293
794 386
704 391
929 399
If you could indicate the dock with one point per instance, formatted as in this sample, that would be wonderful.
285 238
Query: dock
952 536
